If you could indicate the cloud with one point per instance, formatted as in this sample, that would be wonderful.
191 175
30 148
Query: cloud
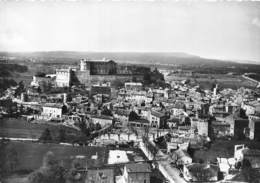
256 22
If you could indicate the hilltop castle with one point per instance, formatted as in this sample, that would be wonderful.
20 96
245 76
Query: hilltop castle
91 71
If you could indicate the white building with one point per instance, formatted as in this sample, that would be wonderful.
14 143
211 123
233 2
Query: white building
136 172
102 120
138 97
133 86
182 157
163 92
201 125
63 77
52 110
157 119
38 80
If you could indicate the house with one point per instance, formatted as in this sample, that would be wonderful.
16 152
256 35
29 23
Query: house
133 86
242 177
252 155
143 112
177 109
37 81
200 172
161 93
100 174
103 120
121 115
251 108
139 123
137 173
138 97
173 122
171 146
157 119
104 90
200 125
53 110
238 125
254 127
181 157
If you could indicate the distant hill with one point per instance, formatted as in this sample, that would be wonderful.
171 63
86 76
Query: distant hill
172 58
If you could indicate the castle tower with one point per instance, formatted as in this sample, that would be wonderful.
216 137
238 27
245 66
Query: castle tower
63 77
215 90
83 65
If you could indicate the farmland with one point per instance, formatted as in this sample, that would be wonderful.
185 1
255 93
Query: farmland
206 81
30 154
20 128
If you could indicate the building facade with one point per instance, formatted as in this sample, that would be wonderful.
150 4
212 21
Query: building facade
137 173
63 77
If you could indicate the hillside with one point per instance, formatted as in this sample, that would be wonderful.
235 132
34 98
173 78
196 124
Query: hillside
173 58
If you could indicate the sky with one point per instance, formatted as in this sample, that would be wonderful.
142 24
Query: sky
223 30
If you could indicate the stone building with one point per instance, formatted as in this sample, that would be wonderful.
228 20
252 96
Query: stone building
100 174
200 125
63 77
254 127
91 71
137 172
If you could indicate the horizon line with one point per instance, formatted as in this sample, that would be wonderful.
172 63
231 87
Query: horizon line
249 61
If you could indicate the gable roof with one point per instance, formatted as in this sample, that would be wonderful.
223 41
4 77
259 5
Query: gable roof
157 114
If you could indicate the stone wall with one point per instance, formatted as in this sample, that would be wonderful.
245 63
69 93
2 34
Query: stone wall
85 78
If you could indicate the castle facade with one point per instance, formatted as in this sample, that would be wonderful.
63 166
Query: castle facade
93 71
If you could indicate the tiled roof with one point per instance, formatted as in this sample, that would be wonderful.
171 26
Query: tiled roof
140 121
54 105
102 117
157 114
138 168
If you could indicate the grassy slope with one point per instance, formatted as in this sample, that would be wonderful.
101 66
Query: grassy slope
30 154
19 128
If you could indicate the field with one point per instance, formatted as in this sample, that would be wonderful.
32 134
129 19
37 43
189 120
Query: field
224 81
20 128
30 154
206 81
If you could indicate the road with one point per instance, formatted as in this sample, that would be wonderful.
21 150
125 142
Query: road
170 173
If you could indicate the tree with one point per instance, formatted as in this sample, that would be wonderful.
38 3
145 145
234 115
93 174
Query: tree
97 126
242 113
72 175
46 136
133 116
20 89
106 112
84 129
50 172
40 74
45 86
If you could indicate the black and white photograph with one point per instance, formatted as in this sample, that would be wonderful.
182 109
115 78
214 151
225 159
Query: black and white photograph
129 91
